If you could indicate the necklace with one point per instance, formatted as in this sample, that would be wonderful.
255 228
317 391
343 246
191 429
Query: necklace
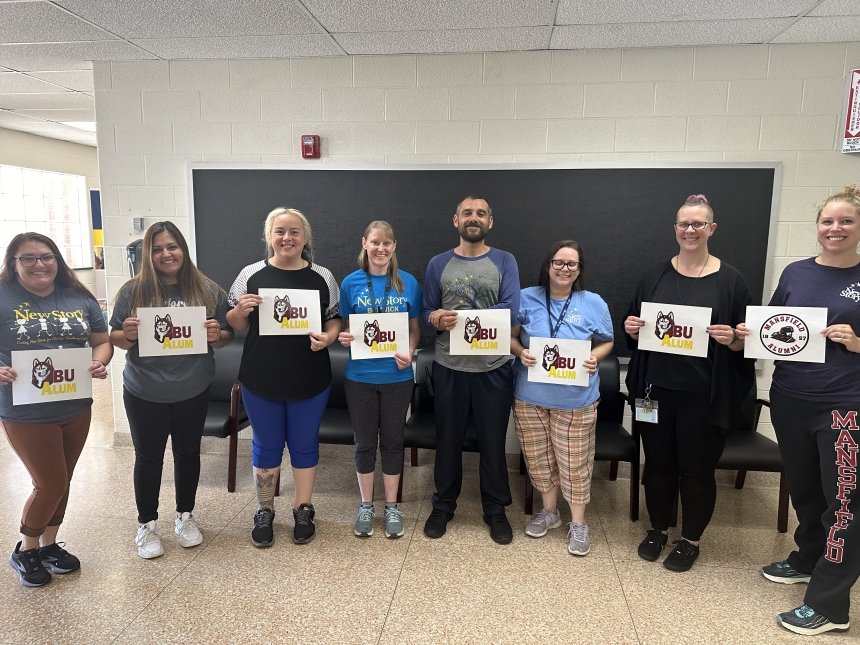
683 298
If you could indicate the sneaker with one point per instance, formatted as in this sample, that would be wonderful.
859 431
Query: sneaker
364 521
437 523
543 522
393 521
682 556
785 573
578 536
147 541
304 529
57 559
187 533
262 534
29 568
651 547
500 528
805 620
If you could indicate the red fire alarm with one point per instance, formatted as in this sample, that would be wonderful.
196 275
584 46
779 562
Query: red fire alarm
310 146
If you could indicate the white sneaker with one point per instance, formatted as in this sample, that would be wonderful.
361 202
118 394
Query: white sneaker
147 541
186 531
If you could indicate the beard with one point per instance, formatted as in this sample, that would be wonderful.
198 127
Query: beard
474 234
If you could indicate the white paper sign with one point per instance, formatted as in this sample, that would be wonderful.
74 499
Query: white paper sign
171 331
379 335
786 333
482 332
560 361
290 312
46 375
674 329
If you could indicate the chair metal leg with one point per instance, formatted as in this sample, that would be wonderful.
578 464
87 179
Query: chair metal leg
613 471
782 510
231 463
413 457
528 497
741 479
400 489
634 491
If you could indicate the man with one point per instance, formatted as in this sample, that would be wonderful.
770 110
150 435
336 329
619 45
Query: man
470 276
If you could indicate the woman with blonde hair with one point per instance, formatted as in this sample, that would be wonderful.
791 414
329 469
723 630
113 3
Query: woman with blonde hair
167 396
378 391
285 379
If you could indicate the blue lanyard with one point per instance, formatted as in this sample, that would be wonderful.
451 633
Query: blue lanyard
553 329
375 309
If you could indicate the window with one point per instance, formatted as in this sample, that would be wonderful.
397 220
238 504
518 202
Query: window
51 203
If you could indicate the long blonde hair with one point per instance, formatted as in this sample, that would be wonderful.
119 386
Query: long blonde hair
148 290
364 263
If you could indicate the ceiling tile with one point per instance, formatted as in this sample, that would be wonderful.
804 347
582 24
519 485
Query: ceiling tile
242 47
39 22
831 29
585 12
61 115
14 82
467 40
427 15
65 101
667 34
81 81
136 19
67 56
837 8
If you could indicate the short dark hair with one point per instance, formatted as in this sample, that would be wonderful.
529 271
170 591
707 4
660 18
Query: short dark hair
474 197
543 275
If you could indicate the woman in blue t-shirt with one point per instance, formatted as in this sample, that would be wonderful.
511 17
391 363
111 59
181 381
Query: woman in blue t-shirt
555 423
378 390
814 410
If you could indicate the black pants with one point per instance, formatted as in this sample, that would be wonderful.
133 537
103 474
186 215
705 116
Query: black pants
819 441
488 396
681 454
378 415
151 424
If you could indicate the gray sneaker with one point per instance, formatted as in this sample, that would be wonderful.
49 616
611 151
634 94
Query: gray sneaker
578 536
364 521
393 521
543 522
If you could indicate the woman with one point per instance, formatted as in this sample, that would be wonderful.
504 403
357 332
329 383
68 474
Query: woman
37 289
814 410
285 379
556 423
378 391
167 396
697 400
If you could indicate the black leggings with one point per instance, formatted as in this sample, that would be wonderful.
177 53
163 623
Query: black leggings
681 453
151 424
378 415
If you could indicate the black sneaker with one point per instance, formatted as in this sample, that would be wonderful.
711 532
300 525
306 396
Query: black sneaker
682 556
304 529
785 573
500 528
57 559
437 523
805 620
29 568
263 535
651 547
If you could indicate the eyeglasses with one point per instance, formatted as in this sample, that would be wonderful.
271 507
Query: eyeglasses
30 260
697 226
573 265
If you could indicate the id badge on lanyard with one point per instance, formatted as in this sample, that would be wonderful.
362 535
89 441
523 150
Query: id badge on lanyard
646 409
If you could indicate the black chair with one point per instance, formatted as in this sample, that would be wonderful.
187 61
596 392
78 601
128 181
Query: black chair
336 427
612 442
748 449
226 416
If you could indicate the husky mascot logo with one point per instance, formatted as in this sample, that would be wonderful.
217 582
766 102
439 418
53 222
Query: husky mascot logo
371 332
282 308
43 372
665 324
163 327
550 357
473 329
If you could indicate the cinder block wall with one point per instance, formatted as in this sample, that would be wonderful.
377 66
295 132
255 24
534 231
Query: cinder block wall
777 103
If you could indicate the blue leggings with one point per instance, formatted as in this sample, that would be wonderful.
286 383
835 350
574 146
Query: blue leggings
295 423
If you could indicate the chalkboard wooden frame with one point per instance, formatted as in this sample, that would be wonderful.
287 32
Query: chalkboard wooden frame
622 215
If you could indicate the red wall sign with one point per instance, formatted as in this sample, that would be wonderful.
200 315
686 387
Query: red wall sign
851 136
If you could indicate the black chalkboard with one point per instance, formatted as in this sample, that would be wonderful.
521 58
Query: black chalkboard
622 217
